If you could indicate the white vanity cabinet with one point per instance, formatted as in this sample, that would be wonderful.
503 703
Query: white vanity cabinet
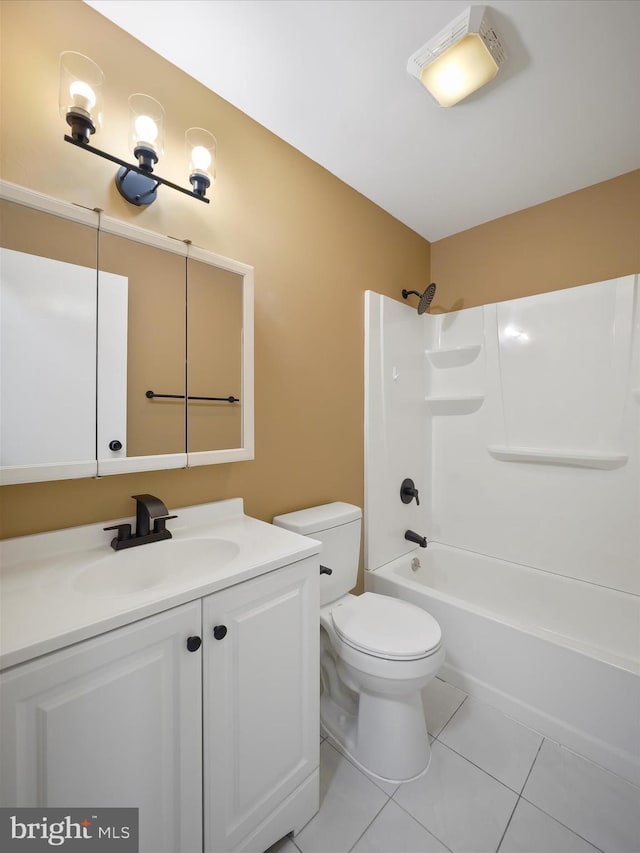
133 718
113 721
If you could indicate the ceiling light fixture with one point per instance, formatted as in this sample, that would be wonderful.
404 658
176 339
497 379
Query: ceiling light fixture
80 99
464 56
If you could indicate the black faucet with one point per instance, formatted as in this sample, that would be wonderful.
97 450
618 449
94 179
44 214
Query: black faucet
415 537
148 508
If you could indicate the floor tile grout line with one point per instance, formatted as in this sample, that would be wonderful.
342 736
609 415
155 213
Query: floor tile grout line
532 766
481 769
442 728
384 805
508 822
522 796
515 791
593 763
557 820
362 773
423 825
534 731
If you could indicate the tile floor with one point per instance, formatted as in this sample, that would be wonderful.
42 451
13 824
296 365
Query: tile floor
493 785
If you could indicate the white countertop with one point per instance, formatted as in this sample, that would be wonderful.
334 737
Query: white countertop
44 602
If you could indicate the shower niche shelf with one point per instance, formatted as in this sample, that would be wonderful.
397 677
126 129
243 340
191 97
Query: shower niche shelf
457 405
443 357
548 456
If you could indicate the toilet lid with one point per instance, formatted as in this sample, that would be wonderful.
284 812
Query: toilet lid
386 627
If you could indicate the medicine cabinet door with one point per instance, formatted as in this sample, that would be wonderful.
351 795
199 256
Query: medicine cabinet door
141 350
219 359
48 306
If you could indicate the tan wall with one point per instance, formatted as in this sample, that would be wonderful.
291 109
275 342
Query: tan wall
316 246
586 236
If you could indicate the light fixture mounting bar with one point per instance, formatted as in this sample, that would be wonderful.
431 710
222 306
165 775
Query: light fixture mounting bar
131 168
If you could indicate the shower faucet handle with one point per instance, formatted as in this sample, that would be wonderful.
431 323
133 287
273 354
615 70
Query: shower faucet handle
408 492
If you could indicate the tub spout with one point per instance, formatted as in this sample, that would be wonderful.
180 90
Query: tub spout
415 537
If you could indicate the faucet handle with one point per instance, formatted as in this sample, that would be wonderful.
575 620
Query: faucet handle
408 492
124 533
159 522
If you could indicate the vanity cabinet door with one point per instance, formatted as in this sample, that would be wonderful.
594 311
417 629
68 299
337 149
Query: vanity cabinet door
113 721
260 704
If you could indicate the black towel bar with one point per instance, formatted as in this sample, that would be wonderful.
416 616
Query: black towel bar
152 394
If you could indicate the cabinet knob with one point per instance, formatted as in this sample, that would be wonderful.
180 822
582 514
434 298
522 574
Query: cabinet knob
193 643
115 444
220 632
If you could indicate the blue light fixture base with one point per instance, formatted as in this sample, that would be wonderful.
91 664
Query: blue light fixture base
136 188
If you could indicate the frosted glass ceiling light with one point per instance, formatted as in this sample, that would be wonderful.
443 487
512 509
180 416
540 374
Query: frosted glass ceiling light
464 56
80 101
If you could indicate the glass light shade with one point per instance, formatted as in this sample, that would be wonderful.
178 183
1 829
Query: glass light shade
459 71
201 151
81 92
146 124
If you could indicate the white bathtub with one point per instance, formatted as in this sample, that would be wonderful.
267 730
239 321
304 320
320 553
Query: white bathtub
560 655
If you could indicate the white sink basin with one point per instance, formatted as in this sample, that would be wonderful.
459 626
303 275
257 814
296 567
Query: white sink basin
144 567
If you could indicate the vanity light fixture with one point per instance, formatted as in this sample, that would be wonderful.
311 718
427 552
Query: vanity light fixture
80 98
460 59
201 152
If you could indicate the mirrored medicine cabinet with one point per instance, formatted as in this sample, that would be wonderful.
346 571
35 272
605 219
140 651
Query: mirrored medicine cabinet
120 350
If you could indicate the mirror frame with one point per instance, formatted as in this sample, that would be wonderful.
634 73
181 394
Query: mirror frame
127 464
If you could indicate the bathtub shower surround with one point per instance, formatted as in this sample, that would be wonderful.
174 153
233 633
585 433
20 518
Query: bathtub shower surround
520 424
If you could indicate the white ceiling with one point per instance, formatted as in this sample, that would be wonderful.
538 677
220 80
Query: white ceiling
329 77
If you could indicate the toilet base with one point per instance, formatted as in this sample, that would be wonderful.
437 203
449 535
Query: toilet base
386 738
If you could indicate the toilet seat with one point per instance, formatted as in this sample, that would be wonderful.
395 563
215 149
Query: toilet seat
386 627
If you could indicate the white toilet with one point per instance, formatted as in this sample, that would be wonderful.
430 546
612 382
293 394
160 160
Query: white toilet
376 654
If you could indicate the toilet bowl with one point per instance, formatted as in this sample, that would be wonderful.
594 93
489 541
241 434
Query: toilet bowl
385 651
376 655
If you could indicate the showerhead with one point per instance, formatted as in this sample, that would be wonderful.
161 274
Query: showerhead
426 298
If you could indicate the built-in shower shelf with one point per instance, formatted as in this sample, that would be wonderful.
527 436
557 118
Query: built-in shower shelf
558 457
452 356
458 405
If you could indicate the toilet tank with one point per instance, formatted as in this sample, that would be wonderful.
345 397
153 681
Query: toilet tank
337 526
